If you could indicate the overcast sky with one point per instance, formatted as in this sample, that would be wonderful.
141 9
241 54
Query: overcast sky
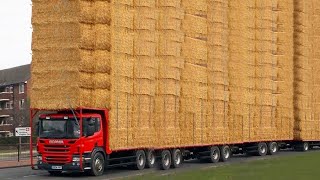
15 33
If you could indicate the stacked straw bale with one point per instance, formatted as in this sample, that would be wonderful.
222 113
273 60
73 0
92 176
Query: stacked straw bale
217 71
194 82
239 71
170 64
71 54
283 52
306 63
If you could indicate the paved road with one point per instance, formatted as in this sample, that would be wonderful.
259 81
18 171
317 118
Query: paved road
25 173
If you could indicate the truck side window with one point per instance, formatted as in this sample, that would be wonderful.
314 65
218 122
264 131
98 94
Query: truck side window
98 124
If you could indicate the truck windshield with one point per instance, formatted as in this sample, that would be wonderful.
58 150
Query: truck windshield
59 128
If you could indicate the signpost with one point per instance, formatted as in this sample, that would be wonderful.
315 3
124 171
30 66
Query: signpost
22 132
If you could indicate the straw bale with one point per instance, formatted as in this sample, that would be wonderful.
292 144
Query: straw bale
144 48
122 41
218 92
195 26
122 65
194 73
167 103
143 103
169 3
145 3
169 72
198 8
217 77
173 35
100 98
192 104
192 89
102 37
144 87
144 72
169 23
121 100
194 49
122 84
169 87
217 107
169 48
122 16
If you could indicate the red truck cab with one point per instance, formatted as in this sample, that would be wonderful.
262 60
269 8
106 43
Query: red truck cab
72 141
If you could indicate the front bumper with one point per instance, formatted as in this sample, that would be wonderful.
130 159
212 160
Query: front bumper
66 167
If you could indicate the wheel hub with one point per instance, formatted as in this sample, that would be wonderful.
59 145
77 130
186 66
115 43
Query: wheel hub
140 160
98 164
152 159
226 153
178 159
166 160
215 154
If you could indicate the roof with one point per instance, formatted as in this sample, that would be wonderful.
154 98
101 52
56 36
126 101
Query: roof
15 75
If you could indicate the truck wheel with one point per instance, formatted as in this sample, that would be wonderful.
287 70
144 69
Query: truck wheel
165 160
177 158
306 146
225 153
262 149
151 159
214 154
97 165
303 146
273 148
140 160
55 173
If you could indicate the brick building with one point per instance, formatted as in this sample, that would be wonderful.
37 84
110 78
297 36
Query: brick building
14 103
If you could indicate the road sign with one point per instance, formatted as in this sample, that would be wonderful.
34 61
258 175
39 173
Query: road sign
23 132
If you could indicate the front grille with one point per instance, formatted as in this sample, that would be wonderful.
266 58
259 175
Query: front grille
59 160
57 149
57 154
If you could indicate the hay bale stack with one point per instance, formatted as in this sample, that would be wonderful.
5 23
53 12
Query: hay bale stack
193 105
237 67
170 64
71 68
217 71
283 56
306 68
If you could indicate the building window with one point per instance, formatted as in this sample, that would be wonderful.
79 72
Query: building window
21 104
8 89
9 105
21 88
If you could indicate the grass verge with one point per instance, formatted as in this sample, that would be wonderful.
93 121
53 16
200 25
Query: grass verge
300 167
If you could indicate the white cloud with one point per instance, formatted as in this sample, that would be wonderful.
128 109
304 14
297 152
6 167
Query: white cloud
15 33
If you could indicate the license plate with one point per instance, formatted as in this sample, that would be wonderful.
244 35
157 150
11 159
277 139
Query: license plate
57 167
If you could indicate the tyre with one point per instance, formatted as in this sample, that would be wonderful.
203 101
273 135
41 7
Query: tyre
273 148
151 159
225 153
140 160
262 149
55 173
177 158
165 160
97 165
303 146
214 154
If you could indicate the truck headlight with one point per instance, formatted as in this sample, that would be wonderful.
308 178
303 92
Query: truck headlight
76 159
39 157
